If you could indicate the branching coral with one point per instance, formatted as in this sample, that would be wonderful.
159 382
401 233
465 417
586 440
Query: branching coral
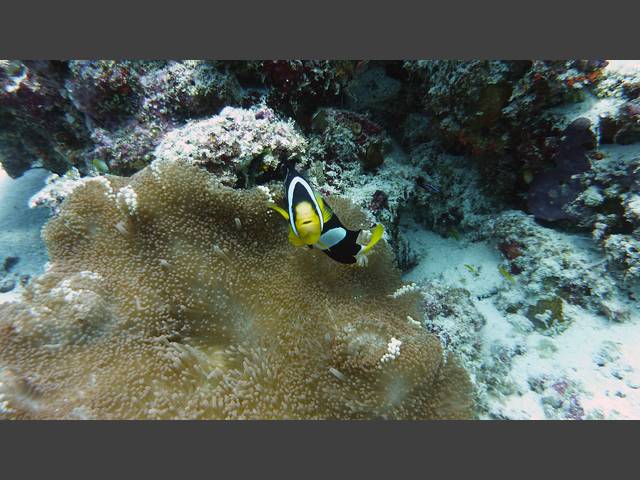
189 303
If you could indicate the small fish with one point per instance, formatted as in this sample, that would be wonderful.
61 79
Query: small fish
472 269
422 183
100 165
453 233
503 271
313 223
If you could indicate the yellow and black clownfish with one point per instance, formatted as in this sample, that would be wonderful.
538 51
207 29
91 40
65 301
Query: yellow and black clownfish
312 223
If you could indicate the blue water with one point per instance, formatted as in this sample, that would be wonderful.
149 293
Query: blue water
20 225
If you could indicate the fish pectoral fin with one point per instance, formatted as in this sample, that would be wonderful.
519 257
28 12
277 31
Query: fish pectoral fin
281 211
294 239
376 235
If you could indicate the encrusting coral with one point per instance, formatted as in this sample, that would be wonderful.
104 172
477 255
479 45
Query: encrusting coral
609 205
237 145
171 296
549 267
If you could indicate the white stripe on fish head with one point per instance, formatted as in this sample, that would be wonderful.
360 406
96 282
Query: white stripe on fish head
307 187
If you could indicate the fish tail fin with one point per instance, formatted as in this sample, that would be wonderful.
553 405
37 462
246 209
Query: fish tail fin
361 257
376 235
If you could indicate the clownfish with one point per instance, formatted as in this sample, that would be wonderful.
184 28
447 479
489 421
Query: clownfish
313 223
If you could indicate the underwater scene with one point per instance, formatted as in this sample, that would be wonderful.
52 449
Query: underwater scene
319 239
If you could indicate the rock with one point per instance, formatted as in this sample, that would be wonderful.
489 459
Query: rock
609 352
10 262
546 313
553 189
553 401
629 121
7 285
374 90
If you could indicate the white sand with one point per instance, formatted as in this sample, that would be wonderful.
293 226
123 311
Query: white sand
458 263
610 391
624 67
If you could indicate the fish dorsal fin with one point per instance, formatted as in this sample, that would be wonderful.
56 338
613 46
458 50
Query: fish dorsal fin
324 208
281 211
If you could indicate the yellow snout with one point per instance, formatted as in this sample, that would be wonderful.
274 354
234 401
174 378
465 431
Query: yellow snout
307 223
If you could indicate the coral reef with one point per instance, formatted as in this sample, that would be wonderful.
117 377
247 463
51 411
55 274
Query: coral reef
351 155
501 111
344 137
552 190
298 88
56 189
549 268
619 124
609 205
171 296
626 127
187 89
478 106
509 194
241 146
513 357
38 123
62 114
450 314
158 97
124 149
375 91
106 91
457 195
